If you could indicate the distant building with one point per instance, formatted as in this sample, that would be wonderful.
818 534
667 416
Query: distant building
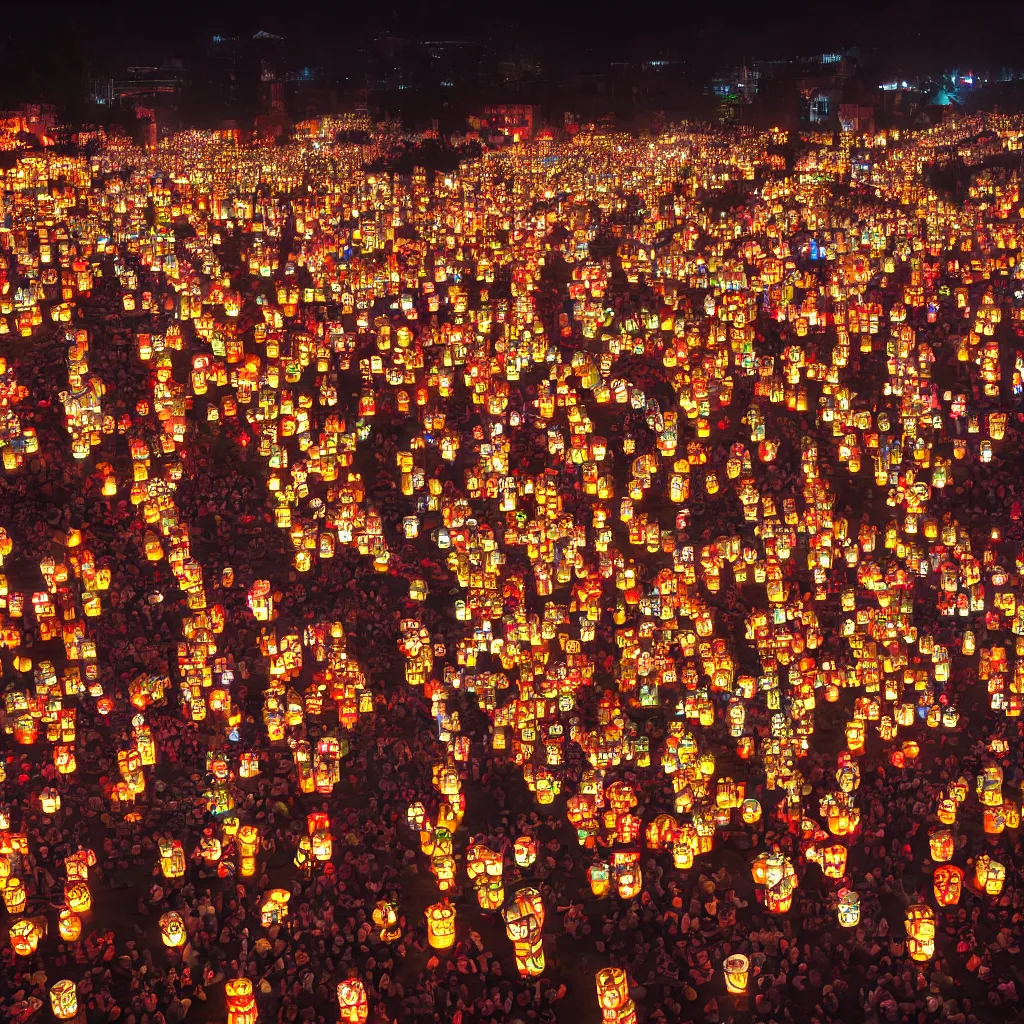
508 122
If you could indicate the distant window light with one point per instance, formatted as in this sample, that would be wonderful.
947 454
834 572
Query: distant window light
218 39
447 84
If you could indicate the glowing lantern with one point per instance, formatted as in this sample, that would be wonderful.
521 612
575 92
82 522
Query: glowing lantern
737 973
69 925
946 811
241 1002
49 801
15 896
947 882
172 929
172 858
78 897
833 860
848 909
247 839
989 875
613 996
385 917
524 921
751 811
920 922
940 844
525 851
440 925
25 936
855 736
64 999
990 786
352 1001
599 876
275 907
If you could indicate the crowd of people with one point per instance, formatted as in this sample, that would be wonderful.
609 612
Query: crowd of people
639 517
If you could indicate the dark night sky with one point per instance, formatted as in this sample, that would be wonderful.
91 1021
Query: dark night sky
53 54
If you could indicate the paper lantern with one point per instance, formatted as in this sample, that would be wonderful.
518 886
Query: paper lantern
737 973
172 929
525 851
524 921
940 844
833 860
848 908
920 920
990 786
352 1001
78 897
25 936
49 800
64 999
440 924
15 896
172 858
385 917
947 883
275 907
241 1002
946 811
613 996
855 737
989 875
993 820
416 816
751 811
247 840
599 876
69 925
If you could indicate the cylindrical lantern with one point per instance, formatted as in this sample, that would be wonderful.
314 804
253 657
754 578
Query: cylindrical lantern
848 909
947 882
940 844
64 999
352 1001
613 996
69 925
737 973
172 929
440 924
241 1002
920 932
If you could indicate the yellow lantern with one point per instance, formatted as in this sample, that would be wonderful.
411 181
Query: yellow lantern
524 923
751 811
737 973
172 929
25 936
352 1002
15 896
78 897
920 922
241 1002
613 996
989 875
848 908
440 924
69 925
940 844
64 999
525 850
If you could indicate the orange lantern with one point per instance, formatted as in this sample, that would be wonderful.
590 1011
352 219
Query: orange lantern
241 1002
947 882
